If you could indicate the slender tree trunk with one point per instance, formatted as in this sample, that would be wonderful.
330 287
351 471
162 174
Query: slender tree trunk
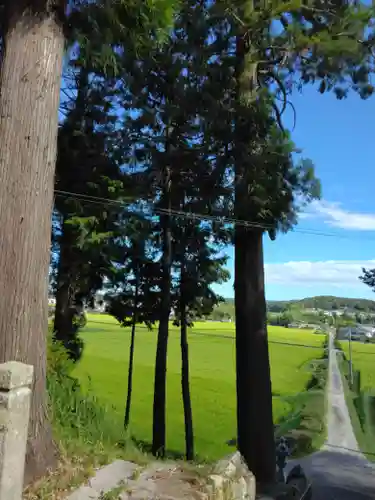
131 355
159 407
255 431
185 379
69 303
29 98
63 322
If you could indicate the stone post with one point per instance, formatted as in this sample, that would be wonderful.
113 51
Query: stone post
15 395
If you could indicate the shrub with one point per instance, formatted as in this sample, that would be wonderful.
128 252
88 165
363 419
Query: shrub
58 362
81 423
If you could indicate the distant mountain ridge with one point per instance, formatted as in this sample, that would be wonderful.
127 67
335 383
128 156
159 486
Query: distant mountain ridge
325 302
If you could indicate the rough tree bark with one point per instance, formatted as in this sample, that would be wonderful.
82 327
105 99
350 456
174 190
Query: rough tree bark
29 98
255 430
255 434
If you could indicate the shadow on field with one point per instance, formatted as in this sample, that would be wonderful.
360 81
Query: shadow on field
145 447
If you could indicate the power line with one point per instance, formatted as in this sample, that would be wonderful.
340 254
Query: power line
190 215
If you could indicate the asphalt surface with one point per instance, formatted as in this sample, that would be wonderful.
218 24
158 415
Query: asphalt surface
339 471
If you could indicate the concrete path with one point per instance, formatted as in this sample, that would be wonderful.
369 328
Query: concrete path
339 471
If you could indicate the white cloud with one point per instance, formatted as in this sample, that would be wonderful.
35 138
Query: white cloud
338 273
334 215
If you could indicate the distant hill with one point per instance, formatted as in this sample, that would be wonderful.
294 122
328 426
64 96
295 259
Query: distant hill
325 302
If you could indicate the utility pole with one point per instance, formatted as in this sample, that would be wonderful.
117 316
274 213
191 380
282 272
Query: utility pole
350 358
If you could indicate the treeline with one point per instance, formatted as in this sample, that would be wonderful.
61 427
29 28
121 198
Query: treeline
326 303
360 307
170 147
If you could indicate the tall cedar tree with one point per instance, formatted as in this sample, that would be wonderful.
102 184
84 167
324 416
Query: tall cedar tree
91 142
33 44
330 44
196 243
32 39
197 259
134 297
86 167
167 89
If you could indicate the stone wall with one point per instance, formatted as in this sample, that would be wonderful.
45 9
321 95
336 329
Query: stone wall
231 480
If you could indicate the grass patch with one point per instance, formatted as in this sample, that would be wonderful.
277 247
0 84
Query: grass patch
305 426
359 401
86 401
363 356
88 433
212 353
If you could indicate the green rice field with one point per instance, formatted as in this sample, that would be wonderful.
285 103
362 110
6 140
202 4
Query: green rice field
363 356
103 369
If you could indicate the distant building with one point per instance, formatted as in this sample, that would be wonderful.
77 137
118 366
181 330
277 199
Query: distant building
357 333
334 313
100 303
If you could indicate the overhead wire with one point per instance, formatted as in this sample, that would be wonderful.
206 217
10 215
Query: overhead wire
155 211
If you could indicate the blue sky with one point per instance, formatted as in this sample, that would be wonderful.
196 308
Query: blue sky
337 136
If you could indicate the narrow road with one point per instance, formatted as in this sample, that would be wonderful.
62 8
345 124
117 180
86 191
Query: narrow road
339 471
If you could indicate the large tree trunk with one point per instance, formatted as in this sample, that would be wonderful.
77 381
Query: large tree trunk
254 394
185 378
131 355
29 99
255 431
159 407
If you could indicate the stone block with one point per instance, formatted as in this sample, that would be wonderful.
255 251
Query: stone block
14 374
239 464
250 485
15 397
225 467
239 489
219 485
112 475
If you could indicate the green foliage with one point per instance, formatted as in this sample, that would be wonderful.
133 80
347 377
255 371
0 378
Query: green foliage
327 43
283 319
59 365
105 29
368 278
135 274
360 398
